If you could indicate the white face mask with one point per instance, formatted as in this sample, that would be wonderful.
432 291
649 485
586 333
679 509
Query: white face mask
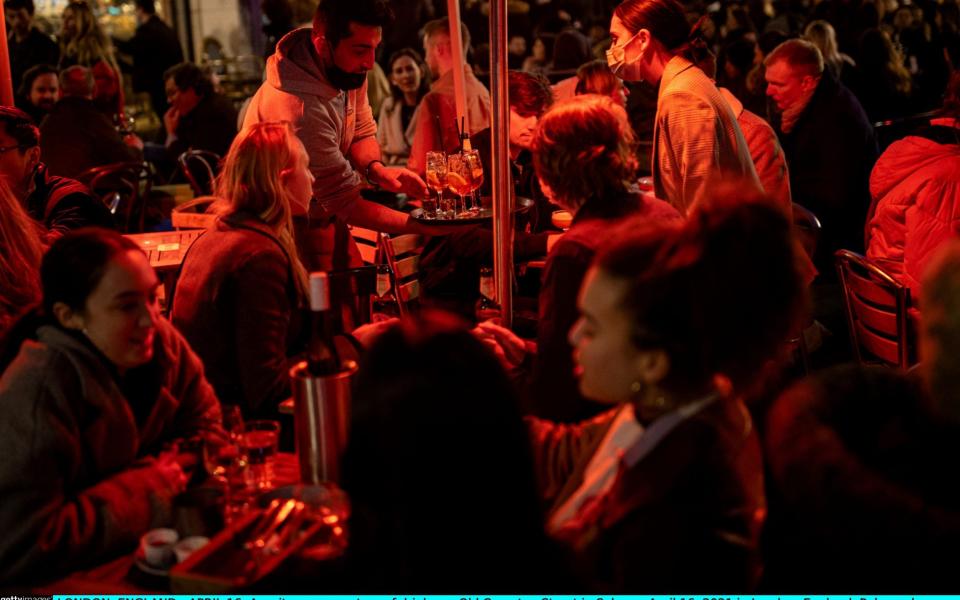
616 60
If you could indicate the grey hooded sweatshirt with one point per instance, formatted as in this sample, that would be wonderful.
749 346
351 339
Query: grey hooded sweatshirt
327 120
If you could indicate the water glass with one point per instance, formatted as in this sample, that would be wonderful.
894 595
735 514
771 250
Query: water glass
224 463
258 446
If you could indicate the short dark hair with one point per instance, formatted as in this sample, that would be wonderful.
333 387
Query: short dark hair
336 15
529 94
19 126
30 75
801 55
187 75
74 265
147 6
18 4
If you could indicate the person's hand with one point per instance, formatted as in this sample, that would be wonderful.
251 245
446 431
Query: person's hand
133 140
368 334
168 463
507 345
171 119
399 179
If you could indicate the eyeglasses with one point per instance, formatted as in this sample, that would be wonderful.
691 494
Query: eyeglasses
5 149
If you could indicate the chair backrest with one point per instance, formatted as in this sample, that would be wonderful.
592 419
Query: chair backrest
806 227
368 242
199 213
892 130
123 187
200 168
402 254
876 312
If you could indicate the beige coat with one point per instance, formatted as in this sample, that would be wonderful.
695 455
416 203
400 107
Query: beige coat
697 141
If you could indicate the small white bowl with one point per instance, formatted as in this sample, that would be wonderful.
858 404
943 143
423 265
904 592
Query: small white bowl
187 546
157 545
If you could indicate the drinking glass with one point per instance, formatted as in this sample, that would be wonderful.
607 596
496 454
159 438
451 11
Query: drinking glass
258 446
225 464
459 178
475 166
436 181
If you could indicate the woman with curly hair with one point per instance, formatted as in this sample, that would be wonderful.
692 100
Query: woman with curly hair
584 158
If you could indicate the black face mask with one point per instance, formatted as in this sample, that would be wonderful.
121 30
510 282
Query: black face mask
342 80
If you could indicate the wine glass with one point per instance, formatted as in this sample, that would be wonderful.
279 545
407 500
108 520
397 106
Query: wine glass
472 158
436 181
459 178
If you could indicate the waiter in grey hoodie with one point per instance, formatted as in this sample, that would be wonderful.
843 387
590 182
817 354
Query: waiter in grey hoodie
317 80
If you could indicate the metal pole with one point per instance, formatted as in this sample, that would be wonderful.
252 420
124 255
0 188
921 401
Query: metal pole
501 181
6 82
456 48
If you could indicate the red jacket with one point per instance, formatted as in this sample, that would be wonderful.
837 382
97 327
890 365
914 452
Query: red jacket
915 187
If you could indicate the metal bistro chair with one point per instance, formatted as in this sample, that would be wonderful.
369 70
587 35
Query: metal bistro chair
806 229
876 312
401 254
200 168
124 188
806 226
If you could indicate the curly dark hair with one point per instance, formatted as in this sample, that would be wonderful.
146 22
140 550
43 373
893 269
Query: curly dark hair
720 295
584 148
335 16
529 94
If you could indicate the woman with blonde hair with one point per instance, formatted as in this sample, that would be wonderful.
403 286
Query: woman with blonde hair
83 43
839 65
242 287
21 248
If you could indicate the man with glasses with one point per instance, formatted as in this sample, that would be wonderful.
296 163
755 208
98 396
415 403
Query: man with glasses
59 203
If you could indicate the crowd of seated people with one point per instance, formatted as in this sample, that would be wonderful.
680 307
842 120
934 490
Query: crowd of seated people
575 458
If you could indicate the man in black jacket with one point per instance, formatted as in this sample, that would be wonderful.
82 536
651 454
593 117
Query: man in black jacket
198 117
28 45
59 203
154 49
829 144
76 135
